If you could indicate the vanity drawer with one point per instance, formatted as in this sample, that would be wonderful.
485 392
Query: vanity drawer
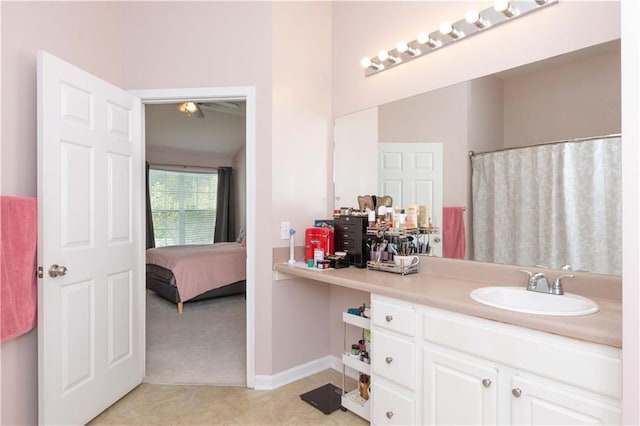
391 407
394 317
394 358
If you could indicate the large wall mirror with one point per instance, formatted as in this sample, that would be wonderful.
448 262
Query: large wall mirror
570 97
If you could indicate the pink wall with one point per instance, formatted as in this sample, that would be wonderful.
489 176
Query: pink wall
563 27
577 99
299 155
88 35
139 46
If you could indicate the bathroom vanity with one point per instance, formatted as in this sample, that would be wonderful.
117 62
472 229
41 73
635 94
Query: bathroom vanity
438 357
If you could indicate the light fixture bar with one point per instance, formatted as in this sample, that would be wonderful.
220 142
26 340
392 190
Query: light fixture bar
475 22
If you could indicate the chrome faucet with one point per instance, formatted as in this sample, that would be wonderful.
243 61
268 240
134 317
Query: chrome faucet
538 282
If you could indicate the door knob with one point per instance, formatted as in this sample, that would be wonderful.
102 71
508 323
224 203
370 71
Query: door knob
486 383
388 360
389 414
57 271
516 392
389 318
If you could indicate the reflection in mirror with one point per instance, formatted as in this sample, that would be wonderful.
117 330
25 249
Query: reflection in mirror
576 95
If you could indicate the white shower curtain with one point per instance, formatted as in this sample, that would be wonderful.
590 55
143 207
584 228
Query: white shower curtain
550 205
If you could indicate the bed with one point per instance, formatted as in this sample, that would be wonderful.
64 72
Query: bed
196 272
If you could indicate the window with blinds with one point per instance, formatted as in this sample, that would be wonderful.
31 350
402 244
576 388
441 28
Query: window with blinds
183 205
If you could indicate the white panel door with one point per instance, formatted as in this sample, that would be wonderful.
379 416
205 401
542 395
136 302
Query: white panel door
458 389
541 402
412 173
90 213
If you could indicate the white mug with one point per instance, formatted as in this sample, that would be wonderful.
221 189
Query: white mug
406 260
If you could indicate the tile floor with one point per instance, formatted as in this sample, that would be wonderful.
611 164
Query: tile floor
214 405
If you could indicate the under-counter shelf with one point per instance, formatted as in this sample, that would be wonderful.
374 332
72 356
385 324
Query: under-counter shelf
356 320
356 364
353 402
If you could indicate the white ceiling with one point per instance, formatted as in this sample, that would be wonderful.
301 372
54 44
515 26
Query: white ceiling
221 130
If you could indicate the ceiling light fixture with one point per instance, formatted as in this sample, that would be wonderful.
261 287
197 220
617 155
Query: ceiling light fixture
452 32
188 108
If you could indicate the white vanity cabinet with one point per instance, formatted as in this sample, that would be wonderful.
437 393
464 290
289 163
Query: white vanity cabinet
460 369
483 372
394 368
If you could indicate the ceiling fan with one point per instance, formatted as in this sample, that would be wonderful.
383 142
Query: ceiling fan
195 109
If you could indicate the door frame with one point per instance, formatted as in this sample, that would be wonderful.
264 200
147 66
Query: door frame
247 94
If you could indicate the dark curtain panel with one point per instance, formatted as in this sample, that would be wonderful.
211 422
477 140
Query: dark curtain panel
225 217
151 241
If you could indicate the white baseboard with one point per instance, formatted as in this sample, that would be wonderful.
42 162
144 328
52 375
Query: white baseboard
263 382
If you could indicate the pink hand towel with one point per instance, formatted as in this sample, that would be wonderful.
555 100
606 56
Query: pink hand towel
453 239
18 285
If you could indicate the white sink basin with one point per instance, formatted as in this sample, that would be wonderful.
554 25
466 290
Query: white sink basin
519 299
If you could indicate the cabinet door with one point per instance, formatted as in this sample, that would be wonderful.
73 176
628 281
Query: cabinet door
458 388
391 407
541 402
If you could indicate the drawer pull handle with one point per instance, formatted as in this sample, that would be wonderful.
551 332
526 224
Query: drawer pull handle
516 392
389 414
388 360
389 318
486 383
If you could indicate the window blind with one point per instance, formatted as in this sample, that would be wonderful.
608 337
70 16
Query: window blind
183 205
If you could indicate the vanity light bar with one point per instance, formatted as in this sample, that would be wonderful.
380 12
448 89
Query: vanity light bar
475 22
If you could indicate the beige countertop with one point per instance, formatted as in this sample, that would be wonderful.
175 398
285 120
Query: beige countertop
452 293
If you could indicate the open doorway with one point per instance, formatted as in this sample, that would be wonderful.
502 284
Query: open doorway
196 159
214 103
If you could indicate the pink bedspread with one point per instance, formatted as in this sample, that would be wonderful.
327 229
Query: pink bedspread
200 268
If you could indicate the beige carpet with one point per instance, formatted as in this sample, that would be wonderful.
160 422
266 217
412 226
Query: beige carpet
204 345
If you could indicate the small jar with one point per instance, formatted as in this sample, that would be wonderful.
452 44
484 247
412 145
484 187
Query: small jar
355 350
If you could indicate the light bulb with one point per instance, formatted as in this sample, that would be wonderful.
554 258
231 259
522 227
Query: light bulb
501 5
365 62
473 17
446 27
424 38
402 46
191 107
383 55
504 7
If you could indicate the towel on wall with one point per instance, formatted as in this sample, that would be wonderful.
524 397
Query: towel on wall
18 285
453 238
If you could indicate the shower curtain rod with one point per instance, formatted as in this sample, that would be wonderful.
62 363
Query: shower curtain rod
585 139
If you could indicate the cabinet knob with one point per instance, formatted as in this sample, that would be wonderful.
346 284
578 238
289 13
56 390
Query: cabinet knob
389 414
486 383
389 360
389 318
516 392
